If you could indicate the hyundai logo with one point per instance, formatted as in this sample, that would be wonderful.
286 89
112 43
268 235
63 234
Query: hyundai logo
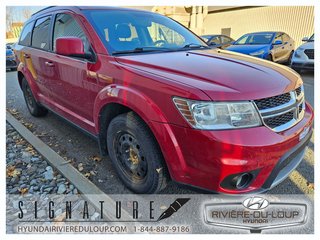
255 203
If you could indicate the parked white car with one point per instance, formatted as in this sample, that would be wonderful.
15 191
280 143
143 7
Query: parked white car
303 57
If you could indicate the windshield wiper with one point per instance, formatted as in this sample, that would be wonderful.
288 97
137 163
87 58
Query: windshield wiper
194 45
142 49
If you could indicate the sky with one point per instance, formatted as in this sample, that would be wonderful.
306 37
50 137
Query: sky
17 12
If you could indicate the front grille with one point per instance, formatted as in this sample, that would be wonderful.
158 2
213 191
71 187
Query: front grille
272 102
283 111
309 53
300 108
274 122
298 91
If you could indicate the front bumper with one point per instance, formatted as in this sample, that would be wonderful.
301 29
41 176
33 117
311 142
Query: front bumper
301 61
204 159
304 65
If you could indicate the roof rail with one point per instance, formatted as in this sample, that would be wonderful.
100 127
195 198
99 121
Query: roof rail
42 10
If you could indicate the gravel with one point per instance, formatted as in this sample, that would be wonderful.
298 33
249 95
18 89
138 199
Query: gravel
28 171
29 176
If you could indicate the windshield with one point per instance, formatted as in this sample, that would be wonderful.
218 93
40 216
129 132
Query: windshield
124 31
255 38
205 38
311 39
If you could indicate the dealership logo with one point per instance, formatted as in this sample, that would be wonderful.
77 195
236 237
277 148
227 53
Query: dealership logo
255 203
255 214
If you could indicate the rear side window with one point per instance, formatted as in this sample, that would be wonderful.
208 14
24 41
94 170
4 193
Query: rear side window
66 26
285 38
225 39
40 35
25 37
215 40
278 37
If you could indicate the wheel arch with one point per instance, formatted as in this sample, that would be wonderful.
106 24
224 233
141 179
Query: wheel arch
115 100
20 77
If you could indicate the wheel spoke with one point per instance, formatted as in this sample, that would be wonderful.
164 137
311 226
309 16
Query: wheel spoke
130 157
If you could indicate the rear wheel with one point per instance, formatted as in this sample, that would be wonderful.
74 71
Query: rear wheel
135 154
34 108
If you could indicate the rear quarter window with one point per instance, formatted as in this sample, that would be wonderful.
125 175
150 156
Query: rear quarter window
40 35
25 37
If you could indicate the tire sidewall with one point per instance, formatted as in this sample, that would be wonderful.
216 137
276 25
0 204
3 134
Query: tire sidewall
25 85
123 124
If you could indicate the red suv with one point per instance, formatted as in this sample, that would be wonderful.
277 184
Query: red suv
161 103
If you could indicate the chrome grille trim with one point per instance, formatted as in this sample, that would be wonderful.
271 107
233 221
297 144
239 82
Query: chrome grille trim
272 102
278 118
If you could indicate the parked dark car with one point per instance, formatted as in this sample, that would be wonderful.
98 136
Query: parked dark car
274 46
161 103
11 63
218 41
303 57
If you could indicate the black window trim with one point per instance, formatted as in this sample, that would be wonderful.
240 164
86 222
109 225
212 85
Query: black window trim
227 37
45 50
67 11
33 22
50 35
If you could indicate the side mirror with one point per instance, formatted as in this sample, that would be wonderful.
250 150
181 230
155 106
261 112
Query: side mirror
305 39
277 42
71 46
212 44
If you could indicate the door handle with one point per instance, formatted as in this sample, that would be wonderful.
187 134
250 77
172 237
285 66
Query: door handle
26 55
49 64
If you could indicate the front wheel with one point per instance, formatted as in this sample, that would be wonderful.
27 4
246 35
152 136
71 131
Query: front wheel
34 108
135 154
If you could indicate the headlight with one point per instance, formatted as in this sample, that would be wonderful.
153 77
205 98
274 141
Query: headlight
260 52
218 115
298 52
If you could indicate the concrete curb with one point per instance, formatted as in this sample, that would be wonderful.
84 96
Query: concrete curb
89 190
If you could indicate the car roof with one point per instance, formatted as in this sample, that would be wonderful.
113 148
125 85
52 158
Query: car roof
263 32
80 8
210 35
214 35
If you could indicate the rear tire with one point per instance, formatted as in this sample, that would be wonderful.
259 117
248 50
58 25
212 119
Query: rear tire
34 108
135 154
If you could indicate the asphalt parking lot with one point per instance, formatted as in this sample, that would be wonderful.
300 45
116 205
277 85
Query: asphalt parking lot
83 152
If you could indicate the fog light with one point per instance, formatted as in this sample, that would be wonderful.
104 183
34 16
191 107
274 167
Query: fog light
242 181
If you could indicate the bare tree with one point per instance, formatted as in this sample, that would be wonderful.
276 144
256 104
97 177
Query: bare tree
26 13
9 18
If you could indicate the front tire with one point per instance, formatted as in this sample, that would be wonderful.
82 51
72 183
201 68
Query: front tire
135 154
34 108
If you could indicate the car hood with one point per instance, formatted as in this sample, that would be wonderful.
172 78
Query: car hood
222 75
9 52
247 48
307 45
